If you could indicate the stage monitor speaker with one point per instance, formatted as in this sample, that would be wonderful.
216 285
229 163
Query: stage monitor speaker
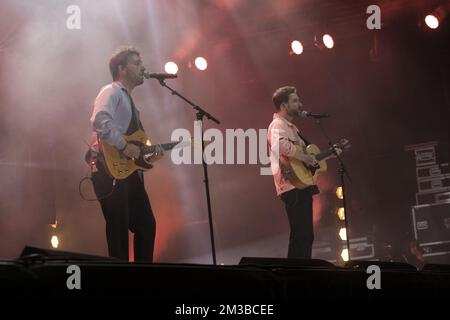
384 265
432 267
286 263
33 253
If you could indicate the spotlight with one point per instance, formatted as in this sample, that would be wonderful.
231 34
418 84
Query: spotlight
171 67
343 234
296 47
437 16
432 21
344 255
323 40
341 213
339 193
201 63
328 41
55 242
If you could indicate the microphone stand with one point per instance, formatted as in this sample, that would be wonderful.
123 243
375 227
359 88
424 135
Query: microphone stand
343 172
199 116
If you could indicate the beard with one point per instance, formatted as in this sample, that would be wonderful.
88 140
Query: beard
293 113
135 79
138 80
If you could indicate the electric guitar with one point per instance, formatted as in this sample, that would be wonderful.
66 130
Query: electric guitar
120 166
302 175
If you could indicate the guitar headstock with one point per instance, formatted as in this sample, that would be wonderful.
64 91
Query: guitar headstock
343 144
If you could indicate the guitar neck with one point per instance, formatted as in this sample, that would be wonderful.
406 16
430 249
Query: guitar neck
165 146
324 154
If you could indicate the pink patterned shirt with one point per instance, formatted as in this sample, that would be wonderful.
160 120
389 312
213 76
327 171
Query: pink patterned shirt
282 136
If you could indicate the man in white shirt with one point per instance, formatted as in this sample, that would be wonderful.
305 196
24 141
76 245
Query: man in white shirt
284 139
125 204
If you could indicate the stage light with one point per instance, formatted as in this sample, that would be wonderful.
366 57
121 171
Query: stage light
171 67
328 41
297 47
323 40
340 193
343 234
344 255
201 63
55 242
432 21
341 213
54 225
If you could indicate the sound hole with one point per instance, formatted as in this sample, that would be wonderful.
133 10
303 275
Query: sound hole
313 169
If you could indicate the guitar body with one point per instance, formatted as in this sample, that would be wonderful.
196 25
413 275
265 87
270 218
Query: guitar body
118 165
300 174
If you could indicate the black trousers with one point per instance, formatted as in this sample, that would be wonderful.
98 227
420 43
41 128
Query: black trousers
299 209
126 208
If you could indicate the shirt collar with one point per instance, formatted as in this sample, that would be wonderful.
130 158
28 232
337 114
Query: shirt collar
120 85
277 116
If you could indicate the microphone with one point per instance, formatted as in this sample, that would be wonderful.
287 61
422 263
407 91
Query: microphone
159 76
307 114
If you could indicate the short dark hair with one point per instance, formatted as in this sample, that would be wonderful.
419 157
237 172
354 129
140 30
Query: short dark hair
120 58
282 95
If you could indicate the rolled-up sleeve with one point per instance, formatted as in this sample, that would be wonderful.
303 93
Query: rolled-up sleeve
105 107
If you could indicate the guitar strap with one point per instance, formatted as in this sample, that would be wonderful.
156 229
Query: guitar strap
135 123
303 138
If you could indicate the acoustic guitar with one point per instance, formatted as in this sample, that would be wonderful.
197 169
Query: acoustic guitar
302 175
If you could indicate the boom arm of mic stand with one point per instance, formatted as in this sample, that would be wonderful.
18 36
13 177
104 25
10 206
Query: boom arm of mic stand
196 107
